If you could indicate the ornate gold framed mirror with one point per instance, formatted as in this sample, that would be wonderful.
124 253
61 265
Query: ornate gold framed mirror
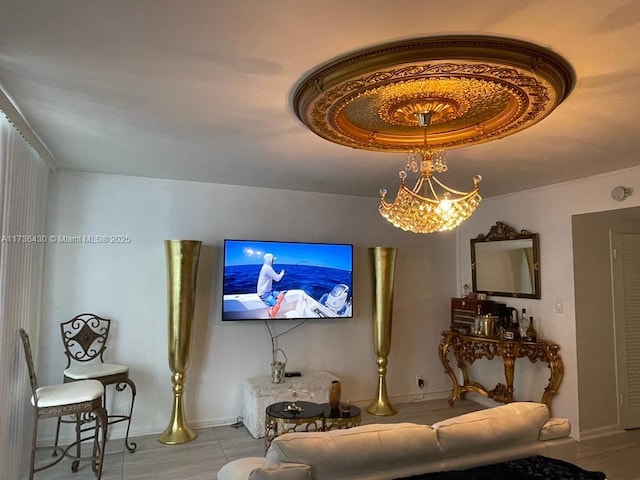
506 263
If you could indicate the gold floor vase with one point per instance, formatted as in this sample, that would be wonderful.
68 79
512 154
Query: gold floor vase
182 269
383 260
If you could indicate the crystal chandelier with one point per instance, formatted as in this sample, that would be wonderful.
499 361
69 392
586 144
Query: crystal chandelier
430 206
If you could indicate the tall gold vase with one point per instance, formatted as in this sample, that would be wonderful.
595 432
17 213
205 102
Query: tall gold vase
383 260
182 269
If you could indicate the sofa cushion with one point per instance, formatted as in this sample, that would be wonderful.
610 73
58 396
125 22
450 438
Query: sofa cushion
518 423
255 468
284 471
239 468
357 451
555 428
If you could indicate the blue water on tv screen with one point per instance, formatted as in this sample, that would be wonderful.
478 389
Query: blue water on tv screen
286 280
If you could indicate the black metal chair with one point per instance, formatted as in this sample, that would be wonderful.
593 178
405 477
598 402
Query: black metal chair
85 340
83 400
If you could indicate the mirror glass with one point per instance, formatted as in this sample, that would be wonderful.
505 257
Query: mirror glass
506 263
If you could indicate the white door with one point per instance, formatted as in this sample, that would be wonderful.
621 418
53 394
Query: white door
626 300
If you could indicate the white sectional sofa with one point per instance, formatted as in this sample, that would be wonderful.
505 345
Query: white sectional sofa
391 451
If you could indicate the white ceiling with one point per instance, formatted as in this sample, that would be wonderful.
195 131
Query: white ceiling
201 89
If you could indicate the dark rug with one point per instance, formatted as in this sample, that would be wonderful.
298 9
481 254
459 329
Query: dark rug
531 468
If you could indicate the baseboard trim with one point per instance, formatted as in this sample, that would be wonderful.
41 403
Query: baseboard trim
484 401
600 432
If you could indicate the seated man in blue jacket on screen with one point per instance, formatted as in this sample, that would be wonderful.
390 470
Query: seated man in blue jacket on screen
265 285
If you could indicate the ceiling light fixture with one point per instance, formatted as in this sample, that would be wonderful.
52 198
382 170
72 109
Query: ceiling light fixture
620 193
430 206
467 89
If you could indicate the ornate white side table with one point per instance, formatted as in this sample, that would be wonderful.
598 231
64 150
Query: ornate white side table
258 393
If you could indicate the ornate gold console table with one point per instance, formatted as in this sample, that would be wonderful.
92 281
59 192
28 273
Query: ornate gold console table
469 348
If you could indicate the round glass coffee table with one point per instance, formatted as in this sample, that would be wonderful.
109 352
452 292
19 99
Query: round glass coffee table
285 417
335 419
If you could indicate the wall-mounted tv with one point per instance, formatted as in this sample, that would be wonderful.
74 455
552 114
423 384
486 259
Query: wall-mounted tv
286 280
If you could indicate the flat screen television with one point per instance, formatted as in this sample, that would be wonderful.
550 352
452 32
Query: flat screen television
286 280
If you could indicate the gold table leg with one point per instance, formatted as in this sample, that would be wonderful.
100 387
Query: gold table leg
443 351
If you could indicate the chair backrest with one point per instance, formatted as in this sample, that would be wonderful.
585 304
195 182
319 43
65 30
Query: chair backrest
26 344
85 337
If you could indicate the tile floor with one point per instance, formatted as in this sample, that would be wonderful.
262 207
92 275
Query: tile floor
617 455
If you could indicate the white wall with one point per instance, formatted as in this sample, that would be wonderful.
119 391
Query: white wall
548 212
127 282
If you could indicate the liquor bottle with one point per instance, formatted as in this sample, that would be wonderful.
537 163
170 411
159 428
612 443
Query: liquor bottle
523 323
501 326
477 330
532 335
512 332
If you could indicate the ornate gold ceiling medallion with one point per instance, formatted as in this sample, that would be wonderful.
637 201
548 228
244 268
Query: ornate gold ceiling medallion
428 95
478 88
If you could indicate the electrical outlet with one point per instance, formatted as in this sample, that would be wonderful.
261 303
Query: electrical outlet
420 382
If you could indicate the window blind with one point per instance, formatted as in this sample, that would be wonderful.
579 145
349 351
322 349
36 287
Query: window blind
23 192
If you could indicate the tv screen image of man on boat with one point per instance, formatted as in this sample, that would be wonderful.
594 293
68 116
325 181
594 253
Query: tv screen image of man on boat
286 280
